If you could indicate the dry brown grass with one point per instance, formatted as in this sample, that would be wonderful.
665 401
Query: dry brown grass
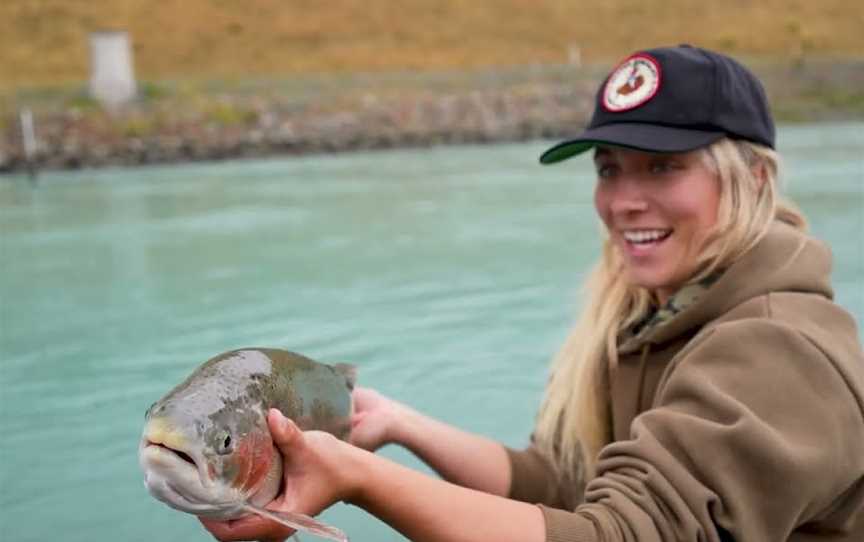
45 41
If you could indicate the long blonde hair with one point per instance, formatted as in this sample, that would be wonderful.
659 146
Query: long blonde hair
574 421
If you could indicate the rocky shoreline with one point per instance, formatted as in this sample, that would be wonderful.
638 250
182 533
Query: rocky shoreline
70 139
225 125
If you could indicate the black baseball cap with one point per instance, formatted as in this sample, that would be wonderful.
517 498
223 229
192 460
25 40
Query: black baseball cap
674 99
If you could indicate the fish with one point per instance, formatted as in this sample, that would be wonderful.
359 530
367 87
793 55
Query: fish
206 448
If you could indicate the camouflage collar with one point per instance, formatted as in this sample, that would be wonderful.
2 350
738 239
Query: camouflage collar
658 316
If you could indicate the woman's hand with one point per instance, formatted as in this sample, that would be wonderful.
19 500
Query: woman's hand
459 457
317 473
375 419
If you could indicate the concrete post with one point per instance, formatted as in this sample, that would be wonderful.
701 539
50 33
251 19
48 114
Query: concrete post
112 79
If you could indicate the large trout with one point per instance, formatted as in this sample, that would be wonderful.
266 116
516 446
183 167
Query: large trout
206 447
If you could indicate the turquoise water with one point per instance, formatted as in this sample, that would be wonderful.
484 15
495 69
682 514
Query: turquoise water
447 275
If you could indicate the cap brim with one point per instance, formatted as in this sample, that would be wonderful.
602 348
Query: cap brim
643 137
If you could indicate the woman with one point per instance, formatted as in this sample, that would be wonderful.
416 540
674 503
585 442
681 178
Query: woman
711 389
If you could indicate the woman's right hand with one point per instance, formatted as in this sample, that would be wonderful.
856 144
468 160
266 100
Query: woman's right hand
375 420
318 470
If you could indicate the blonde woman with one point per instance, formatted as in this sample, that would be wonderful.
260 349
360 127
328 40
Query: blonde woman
711 390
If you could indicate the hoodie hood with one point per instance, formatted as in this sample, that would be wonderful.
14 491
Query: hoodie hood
784 260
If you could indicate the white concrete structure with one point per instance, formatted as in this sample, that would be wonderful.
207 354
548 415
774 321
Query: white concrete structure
112 78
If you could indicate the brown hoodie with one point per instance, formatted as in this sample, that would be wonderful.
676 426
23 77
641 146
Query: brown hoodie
739 418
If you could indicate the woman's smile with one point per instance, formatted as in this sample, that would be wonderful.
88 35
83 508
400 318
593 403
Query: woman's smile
640 240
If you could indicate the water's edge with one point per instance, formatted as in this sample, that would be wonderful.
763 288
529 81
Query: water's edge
520 105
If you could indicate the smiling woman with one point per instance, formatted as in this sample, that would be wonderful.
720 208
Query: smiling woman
676 221
722 195
712 390
659 210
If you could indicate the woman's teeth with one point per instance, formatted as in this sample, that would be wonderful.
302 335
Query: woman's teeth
646 236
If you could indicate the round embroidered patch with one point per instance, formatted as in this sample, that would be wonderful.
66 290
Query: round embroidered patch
634 82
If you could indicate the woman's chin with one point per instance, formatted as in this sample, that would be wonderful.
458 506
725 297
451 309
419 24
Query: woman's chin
656 283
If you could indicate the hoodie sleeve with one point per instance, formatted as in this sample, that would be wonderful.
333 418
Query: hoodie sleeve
533 479
753 433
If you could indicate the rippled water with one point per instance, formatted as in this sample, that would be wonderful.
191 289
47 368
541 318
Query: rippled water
447 275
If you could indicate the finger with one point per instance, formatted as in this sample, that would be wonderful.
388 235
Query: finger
217 528
286 435
227 531
247 528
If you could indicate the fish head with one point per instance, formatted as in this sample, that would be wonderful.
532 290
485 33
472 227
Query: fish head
208 465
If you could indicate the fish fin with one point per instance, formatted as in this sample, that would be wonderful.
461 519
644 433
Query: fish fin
298 522
349 372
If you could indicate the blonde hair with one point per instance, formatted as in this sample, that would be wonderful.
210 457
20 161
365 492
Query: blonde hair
575 421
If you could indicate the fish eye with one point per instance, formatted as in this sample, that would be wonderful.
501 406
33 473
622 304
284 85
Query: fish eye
224 444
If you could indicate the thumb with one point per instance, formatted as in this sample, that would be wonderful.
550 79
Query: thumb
286 435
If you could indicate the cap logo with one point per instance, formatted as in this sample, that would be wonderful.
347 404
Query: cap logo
634 82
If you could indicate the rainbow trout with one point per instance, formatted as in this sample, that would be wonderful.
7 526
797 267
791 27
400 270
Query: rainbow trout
206 448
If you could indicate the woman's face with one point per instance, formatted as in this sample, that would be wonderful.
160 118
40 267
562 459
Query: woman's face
659 208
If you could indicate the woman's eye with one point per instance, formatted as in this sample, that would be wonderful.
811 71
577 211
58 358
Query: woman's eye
663 167
605 171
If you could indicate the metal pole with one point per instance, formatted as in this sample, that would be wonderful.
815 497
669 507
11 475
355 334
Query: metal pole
28 139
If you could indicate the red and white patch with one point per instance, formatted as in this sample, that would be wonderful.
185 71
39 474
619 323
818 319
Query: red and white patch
634 82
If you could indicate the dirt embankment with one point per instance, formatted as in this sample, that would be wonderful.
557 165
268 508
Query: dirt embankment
45 42
226 126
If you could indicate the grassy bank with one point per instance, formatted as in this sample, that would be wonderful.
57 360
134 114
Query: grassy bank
44 42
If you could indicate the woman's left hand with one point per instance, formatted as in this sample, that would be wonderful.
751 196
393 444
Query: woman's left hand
316 475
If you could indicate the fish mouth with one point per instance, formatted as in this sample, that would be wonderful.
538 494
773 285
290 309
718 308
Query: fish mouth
159 456
167 490
175 478
169 450
164 446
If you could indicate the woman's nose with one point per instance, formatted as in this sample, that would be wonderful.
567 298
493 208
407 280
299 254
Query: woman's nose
628 197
